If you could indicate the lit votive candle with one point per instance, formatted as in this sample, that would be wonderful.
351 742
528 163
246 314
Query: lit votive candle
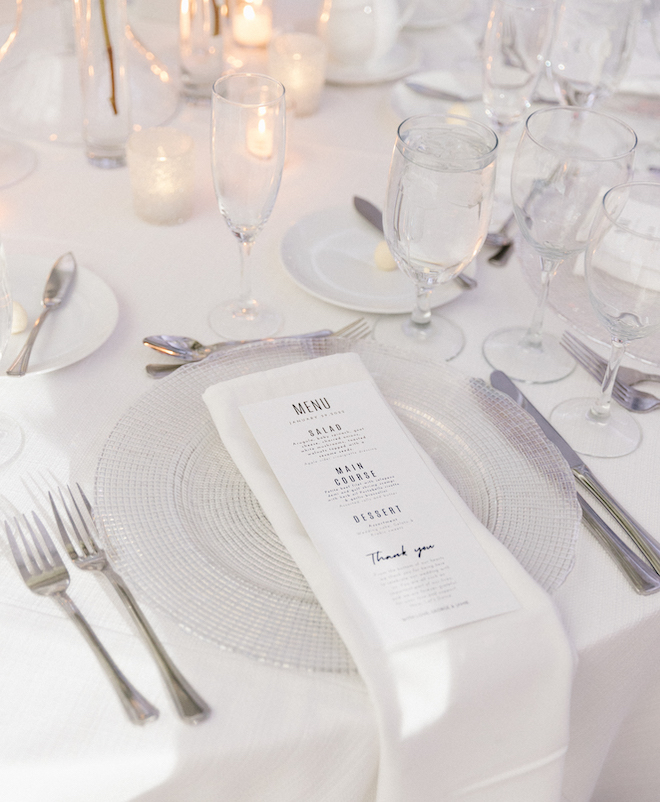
252 23
161 163
298 61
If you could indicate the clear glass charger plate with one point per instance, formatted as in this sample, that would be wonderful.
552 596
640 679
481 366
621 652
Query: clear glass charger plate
569 297
185 530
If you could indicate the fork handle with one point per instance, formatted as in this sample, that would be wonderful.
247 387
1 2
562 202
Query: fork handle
139 710
644 541
189 704
20 365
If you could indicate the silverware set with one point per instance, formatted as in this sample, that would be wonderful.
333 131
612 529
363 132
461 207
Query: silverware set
189 350
44 572
624 392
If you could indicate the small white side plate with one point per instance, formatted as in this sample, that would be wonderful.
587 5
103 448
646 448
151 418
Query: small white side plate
82 324
330 254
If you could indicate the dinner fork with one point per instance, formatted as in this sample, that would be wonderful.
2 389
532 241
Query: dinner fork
357 330
629 397
44 573
87 555
626 375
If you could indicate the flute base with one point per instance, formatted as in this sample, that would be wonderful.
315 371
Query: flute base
11 439
616 435
238 320
440 338
16 162
508 351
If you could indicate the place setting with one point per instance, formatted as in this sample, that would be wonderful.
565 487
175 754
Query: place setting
347 482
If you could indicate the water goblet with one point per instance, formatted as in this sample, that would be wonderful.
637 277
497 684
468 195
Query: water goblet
622 269
439 198
591 48
514 48
565 161
248 140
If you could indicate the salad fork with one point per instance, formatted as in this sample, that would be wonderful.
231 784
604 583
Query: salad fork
45 574
87 555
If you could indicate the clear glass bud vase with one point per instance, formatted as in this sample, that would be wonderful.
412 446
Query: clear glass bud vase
102 42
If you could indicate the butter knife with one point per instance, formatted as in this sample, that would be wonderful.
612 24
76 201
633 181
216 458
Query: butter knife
56 289
372 214
585 478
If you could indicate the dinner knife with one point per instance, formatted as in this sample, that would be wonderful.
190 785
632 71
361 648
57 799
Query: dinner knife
57 286
372 214
586 479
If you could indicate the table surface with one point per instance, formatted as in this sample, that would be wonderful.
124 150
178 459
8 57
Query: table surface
275 733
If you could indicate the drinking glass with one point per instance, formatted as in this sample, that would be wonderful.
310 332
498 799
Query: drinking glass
592 47
439 199
622 269
247 150
566 160
514 48
11 434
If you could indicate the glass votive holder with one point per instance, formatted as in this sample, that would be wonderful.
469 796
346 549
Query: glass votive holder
251 22
161 164
298 60
201 25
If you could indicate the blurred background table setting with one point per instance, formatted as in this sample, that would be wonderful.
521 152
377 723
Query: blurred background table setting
286 197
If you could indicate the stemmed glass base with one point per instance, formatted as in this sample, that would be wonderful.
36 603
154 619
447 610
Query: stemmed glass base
11 439
527 359
608 435
440 337
244 320
16 162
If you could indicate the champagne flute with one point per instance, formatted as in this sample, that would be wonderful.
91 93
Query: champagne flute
247 150
565 161
11 434
439 198
622 269
592 47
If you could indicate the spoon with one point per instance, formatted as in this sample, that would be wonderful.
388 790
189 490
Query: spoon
191 350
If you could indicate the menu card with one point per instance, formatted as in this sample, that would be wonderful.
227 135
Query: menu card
376 512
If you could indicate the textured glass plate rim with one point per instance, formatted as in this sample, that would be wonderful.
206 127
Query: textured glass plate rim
569 298
299 260
149 526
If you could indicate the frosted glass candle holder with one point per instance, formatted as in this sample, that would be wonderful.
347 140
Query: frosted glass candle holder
298 61
161 163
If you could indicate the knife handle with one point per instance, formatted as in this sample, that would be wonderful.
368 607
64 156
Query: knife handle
649 547
20 365
643 579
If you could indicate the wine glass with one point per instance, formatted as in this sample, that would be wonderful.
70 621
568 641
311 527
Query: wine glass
591 48
622 269
247 150
514 47
439 199
11 434
565 161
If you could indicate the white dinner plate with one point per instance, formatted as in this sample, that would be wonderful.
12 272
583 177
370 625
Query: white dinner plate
82 324
402 59
330 254
184 529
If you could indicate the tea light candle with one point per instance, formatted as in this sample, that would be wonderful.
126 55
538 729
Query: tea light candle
259 134
161 163
252 23
298 61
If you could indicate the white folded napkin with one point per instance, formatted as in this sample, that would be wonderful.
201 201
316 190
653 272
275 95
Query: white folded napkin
478 712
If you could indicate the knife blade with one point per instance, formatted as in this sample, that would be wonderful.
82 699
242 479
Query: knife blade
372 214
586 479
55 291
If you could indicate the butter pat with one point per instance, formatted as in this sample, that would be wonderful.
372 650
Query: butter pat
18 319
383 257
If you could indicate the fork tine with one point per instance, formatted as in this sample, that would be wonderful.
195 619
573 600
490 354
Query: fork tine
55 559
68 545
79 538
583 359
32 561
81 517
18 557
345 330
88 506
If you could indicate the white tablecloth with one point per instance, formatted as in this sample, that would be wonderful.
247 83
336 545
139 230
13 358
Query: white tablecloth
276 734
